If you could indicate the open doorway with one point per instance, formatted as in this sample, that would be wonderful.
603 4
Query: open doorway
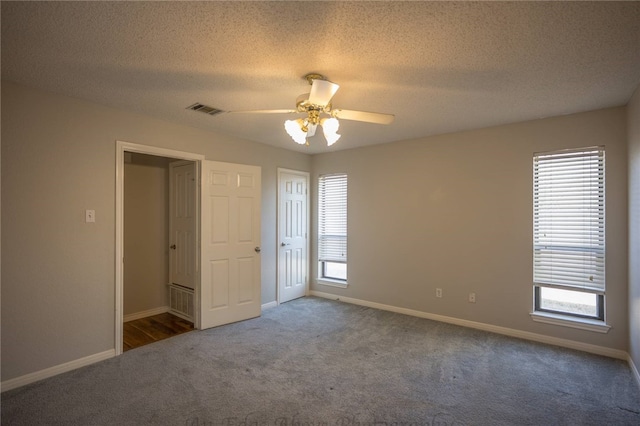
156 160
159 245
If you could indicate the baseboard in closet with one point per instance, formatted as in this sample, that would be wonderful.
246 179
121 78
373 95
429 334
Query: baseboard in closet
144 314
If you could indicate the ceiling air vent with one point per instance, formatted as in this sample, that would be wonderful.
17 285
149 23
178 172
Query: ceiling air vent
205 109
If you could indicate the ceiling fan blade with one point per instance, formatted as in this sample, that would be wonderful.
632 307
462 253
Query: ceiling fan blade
322 91
368 117
265 111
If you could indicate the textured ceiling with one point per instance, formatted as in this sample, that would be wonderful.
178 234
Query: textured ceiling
438 66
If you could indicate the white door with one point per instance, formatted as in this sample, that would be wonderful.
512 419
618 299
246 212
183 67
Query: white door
182 223
293 232
230 243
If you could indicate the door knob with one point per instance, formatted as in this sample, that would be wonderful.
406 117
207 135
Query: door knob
257 249
284 244
172 247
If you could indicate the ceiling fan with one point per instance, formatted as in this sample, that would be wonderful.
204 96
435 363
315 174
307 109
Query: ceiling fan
317 109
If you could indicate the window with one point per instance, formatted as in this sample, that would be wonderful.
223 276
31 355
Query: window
568 233
332 227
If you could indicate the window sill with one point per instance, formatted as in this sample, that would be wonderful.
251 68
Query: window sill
332 283
573 322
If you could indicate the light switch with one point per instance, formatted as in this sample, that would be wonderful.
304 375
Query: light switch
90 216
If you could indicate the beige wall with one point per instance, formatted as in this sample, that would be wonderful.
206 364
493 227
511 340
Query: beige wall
633 123
58 159
450 211
146 233
455 212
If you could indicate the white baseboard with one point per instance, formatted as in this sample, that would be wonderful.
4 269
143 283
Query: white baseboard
55 370
571 344
270 305
144 314
599 350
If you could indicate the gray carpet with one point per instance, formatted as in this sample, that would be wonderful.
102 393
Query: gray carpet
313 361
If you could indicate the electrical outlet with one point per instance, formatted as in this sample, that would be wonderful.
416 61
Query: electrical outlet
472 298
438 292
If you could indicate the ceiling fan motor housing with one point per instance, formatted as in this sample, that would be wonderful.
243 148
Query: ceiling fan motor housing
313 111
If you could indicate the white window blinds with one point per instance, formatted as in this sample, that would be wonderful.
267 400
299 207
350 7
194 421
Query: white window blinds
568 219
332 218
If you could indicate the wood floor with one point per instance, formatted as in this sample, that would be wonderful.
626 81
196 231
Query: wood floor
147 330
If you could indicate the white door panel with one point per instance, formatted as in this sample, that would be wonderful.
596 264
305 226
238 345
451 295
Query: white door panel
182 223
293 235
230 226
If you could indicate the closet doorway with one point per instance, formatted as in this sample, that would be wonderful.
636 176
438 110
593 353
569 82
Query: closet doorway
159 248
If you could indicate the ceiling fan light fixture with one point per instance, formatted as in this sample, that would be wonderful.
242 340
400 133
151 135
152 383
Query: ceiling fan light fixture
294 129
330 129
331 138
314 105
311 129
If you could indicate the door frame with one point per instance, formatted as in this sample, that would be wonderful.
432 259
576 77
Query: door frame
121 148
307 177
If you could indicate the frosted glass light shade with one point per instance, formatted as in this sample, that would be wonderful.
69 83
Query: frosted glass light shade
330 128
294 129
331 138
